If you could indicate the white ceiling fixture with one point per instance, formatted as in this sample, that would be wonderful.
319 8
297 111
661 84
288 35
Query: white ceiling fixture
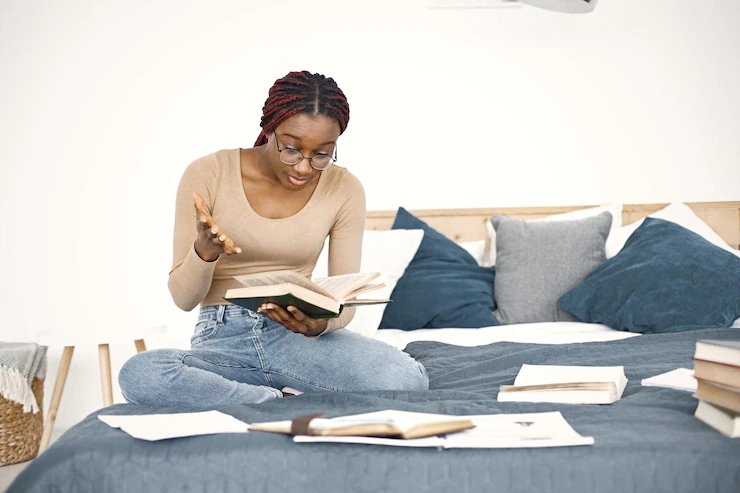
472 4
565 6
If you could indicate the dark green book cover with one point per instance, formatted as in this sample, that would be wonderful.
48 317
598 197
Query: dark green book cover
284 301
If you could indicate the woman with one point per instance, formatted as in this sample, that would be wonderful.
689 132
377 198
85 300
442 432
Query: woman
263 209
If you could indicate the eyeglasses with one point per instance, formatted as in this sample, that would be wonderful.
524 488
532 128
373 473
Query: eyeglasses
291 157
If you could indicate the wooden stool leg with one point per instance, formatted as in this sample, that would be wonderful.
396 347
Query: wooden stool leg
56 396
140 346
105 374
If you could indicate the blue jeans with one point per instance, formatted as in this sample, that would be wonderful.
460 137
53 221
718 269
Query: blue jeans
240 356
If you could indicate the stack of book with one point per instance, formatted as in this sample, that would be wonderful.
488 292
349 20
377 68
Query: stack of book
717 372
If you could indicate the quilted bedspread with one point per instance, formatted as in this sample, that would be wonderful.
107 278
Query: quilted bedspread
648 441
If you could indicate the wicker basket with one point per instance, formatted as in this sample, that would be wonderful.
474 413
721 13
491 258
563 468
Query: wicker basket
20 433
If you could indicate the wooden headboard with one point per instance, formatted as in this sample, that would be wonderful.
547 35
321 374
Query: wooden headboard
470 224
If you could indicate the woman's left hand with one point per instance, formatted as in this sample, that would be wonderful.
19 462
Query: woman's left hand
293 319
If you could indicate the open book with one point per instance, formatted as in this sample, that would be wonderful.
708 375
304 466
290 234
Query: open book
388 423
318 298
566 385
532 430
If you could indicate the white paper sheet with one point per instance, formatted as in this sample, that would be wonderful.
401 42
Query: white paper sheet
680 379
491 431
163 426
532 430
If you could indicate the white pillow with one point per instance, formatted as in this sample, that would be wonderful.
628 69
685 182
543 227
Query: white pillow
678 213
388 252
475 248
615 210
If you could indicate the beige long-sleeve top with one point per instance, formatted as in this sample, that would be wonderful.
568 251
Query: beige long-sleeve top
336 209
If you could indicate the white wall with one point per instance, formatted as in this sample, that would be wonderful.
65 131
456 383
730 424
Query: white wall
104 103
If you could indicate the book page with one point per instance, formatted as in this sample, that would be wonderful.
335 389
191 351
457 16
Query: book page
281 277
354 302
163 426
680 379
559 386
393 442
404 420
531 430
367 288
342 287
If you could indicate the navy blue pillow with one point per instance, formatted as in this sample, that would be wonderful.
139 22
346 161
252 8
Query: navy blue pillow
443 286
665 279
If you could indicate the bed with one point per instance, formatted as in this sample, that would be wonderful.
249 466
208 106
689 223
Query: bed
647 441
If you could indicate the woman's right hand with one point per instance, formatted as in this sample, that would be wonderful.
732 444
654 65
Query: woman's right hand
211 241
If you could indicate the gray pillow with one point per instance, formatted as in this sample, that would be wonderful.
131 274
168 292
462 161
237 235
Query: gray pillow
538 262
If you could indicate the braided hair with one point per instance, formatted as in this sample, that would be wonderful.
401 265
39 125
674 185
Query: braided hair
302 92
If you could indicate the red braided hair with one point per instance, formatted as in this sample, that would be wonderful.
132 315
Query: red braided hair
304 92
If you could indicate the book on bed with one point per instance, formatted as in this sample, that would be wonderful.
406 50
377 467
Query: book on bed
716 393
566 385
717 372
492 431
727 352
721 419
317 298
679 379
388 423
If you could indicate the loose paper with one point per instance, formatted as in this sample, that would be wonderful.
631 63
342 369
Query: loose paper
680 379
164 426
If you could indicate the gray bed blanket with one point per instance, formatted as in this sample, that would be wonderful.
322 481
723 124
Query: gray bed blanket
648 441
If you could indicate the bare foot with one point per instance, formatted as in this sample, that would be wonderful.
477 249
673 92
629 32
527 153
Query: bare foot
290 392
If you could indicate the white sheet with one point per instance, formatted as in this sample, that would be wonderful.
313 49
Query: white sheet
154 427
542 333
